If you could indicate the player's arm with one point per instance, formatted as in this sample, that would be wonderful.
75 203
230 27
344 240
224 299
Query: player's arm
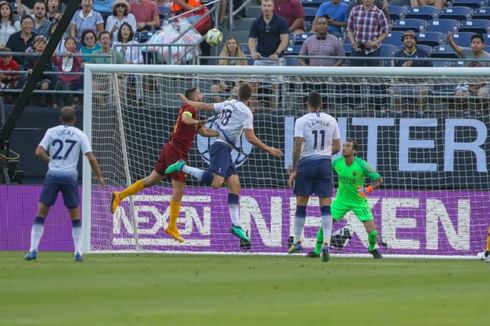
335 146
297 146
252 139
95 167
187 119
206 132
376 178
197 105
43 154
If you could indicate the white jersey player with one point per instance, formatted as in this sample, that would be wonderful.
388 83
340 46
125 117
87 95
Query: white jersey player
60 148
316 139
234 118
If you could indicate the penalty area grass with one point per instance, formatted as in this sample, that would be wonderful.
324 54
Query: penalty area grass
159 289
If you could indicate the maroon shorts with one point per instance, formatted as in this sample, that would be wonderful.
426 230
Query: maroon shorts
169 156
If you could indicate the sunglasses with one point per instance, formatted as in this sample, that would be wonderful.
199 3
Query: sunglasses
120 6
89 38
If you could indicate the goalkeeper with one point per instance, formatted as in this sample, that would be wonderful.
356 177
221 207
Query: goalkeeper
175 149
351 194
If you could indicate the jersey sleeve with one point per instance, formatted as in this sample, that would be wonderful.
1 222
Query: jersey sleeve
219 106
298 128
84 144
45 141
368 170
249 120
336 131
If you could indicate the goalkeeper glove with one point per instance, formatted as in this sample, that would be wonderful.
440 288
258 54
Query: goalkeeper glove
364 192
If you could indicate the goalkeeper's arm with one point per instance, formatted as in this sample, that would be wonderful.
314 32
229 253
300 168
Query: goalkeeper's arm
365 191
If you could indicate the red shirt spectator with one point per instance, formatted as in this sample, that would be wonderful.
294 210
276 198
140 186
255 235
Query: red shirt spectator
293 12
146 14
7 63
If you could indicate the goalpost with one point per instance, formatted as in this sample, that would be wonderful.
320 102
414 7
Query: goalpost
430 146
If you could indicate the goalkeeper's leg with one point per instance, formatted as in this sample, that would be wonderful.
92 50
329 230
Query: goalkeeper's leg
136 187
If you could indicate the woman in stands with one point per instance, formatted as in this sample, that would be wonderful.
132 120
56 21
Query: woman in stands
8 24
84 19
90 44
70 62
120 15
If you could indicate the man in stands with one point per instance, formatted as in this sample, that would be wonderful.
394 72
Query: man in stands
41 22
337 13
23 39
146 14
293 12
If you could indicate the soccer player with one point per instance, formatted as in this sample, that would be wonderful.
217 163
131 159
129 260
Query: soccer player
316 139
351 194
60 148
485 255
235 117
176 148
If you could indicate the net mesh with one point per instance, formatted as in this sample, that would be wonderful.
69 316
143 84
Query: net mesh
429 144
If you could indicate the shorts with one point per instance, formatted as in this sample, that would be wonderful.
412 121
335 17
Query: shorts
314 176
340 207
168 156
220 161
66 184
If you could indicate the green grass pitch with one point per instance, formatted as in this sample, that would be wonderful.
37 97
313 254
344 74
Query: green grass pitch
159 289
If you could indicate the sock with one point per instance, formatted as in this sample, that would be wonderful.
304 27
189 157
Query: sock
36 232
234 206
174 213
76 233
326 223
201 175
299 222
372 237
319 241
487 251
132 189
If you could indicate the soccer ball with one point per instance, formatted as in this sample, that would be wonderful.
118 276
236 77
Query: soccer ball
214 37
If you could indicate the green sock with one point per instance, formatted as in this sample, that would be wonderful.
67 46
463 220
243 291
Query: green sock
319 241
372 237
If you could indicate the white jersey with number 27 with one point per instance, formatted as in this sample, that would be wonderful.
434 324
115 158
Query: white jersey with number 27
318 130
234 116
63 145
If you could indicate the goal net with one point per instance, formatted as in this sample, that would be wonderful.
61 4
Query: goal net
430 145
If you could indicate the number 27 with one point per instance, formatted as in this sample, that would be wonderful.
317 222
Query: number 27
58 142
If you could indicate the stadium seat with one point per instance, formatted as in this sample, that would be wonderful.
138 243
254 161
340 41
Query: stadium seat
442 25
443 51
310 14
463 38
425 12
458 13
431 38
480 26
426 48
467 3
405 24
481 13
397 12
312 3
290 54
394 38
441 63
298 39
487 48
387 51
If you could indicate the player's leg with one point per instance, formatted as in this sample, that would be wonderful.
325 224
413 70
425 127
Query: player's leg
178 185
233 185
299 222
485 255
71 199
326 222
364 214
151 180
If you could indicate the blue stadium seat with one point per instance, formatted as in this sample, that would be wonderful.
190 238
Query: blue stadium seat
312 3
467 3
425 12
310 14
394 38
406 24
292 50
487 48
463 38
387 51
443 51
458 13
442 25
397 12
480 26
481 13
441 63
431 38
298 39
426 48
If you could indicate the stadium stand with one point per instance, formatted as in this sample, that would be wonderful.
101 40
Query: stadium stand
458 13
397 12
425 12
467 3
480 26
417 25
431 38
463 38
442 25
481 13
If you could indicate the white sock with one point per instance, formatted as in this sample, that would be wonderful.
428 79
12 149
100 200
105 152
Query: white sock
299 224
36 235
76 233
195 172
327 228
234 214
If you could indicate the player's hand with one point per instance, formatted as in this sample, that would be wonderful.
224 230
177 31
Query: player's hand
364 192
200 124
183 98
101 181
291 179
275 151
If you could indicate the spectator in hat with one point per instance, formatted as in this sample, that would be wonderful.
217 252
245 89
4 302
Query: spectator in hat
120 14
411 51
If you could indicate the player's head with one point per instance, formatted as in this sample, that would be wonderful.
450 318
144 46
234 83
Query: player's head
68 115
314 101
194 94
244 92
349 148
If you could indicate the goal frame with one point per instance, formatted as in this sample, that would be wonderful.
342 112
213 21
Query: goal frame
390 72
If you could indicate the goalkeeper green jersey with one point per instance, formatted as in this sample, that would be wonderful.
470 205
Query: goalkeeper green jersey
352 177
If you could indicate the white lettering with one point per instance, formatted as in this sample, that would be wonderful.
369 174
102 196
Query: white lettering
406 143
391 223
250 209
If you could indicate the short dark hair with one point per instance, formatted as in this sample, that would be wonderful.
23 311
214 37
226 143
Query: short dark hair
189 93
84 33
353 141
68 114
26 17
244 92
131 34
477 36
4 52
105 32
315 100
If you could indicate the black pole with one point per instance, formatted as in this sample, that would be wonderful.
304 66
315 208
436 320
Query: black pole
46 56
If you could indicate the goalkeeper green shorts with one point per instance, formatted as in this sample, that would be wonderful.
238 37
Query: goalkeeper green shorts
362 210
